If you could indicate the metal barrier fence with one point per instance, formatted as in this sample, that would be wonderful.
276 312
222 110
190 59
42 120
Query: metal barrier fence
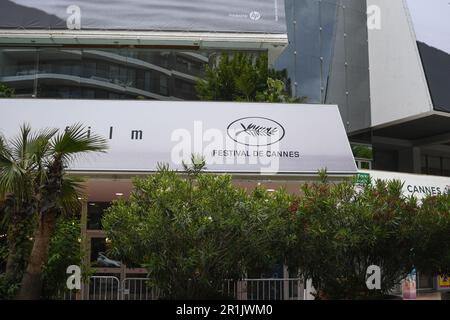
103 288
110 288
70 295
65 295
138 289
266 289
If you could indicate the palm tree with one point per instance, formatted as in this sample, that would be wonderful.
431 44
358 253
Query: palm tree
55 193
17 183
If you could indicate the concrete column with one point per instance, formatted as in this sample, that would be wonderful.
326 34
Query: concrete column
417 159
409 160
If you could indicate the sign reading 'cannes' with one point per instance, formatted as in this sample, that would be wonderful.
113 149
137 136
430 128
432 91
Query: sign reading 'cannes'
419 186
232 137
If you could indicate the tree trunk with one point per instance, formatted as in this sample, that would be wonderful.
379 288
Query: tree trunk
13 263
17 240
31 287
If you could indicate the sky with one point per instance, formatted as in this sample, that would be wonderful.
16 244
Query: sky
431 20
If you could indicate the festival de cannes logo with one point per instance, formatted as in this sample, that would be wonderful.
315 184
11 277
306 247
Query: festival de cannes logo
256 131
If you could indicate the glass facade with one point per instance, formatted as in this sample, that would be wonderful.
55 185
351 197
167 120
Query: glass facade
327 62
95 212
98 245
436 165
98 73
327 56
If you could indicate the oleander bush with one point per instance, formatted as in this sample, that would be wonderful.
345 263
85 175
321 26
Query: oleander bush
194 233
432 235
342 229
6 92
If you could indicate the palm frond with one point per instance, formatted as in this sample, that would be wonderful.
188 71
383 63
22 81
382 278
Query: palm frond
5 150
10 175
72 189
39 143
3 143
21 160
19 143
39 148
75 140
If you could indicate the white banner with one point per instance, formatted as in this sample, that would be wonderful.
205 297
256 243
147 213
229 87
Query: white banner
233 137
260 16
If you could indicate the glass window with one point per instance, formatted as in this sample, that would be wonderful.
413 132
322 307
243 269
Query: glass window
97 245
95 214
327 56
99 254
367 165
184 89
18 68
446 167
308 78
424 165
434 166
100 73
385 160
424 281
163 85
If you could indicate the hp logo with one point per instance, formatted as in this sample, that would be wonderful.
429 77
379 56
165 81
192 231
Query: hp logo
255 15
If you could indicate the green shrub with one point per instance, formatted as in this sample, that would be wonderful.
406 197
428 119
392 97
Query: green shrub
341 231
245 77
432 236
64 251
194 233
6 92
8 286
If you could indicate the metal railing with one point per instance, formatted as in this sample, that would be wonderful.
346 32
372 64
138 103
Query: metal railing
138 289
65 295
103 288
266 289
110 288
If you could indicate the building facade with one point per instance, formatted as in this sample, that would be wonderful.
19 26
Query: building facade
409 78
374 59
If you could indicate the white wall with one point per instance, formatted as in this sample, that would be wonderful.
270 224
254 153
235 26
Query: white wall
397 80
414 184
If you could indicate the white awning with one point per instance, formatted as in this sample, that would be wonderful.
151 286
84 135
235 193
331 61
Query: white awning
237 138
